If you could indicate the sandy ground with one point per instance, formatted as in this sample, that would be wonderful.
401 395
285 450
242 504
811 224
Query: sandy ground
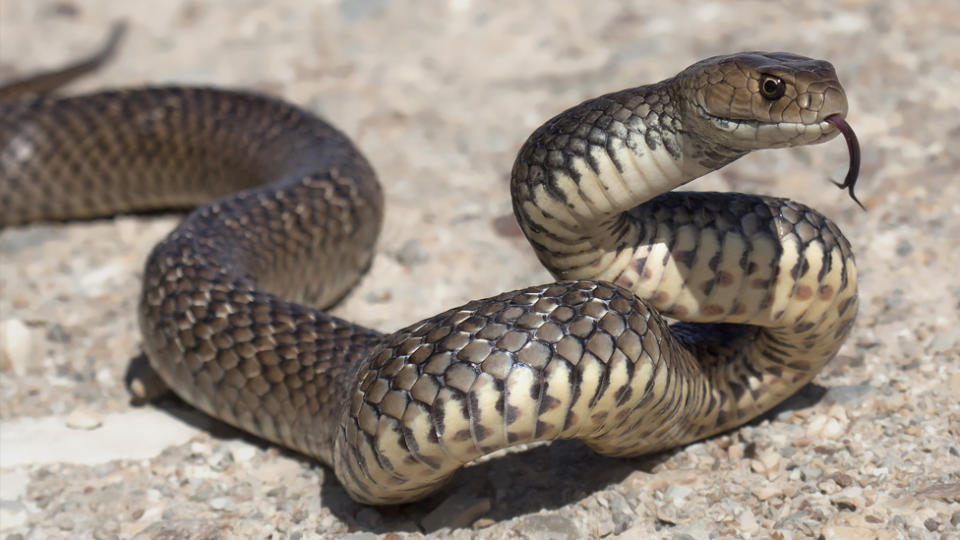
440 95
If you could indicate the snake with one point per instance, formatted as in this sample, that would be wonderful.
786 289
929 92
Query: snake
675 315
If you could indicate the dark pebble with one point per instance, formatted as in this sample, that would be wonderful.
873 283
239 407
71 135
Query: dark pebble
57 334
904 248
412 253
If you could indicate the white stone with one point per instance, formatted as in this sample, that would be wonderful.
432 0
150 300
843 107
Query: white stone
16 346
243 452
676 495
748 522
766 491
12 516
826 426
83 418
198 448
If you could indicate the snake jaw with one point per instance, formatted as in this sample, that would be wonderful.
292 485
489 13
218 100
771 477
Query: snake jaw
853 147
724 95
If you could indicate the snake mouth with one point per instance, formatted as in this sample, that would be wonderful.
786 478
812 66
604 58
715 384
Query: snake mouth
835 120
796 133
853 147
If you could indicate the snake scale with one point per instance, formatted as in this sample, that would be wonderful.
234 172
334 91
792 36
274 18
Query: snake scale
765 287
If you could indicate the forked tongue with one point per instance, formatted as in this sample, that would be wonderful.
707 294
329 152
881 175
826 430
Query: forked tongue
854 148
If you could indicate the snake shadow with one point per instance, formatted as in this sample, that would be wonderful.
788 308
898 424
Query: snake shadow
544 476
541 476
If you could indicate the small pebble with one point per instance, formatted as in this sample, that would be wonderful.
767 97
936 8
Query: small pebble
548 525
483 523
766 491
676 495
198 448
895 300
953 385
103 279
108 530
837 532
359 536
220 460
378 297
64 523
603 524
56 333
822 426
699 533
221 503
12 514
842 479
736 451
945 340
16 346
412 253
83 418
243 453
748 522
811 473
767 463
668 513
850 498
904 248
622 513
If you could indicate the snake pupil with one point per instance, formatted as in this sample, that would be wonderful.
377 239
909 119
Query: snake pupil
772 87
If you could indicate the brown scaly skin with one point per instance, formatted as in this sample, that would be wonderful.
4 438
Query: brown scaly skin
768 286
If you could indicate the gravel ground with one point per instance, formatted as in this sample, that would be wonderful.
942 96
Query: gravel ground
440 95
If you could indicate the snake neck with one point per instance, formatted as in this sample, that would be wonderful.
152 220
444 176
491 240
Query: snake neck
577 177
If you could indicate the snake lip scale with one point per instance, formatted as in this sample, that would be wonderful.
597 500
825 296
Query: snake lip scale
287 213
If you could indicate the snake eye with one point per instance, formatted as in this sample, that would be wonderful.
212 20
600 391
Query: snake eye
772 87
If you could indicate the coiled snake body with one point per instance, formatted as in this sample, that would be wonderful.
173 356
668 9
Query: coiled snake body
766 286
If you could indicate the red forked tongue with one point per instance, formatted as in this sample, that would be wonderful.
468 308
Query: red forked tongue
854 148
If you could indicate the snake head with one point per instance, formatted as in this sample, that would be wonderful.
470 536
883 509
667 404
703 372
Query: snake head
757 100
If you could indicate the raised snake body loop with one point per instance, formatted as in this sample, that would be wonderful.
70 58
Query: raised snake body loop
767 286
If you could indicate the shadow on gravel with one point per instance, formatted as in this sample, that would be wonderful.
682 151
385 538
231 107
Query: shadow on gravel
804 398
545 476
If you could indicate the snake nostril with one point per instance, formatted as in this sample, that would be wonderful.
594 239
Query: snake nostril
834 102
